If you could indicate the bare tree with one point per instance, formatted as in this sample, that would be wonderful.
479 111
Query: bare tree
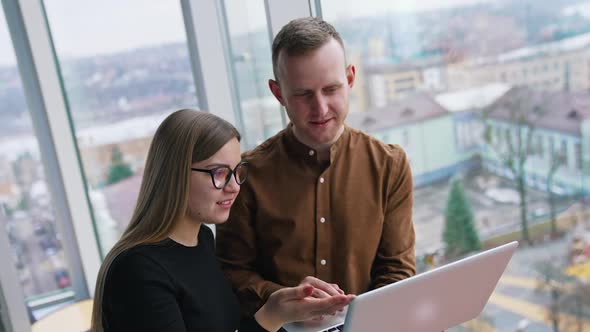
552 281
557 160
517 112
569 298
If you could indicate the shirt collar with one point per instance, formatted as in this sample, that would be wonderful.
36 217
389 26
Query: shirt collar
305 152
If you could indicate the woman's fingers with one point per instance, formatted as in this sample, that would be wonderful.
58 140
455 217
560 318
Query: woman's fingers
295 293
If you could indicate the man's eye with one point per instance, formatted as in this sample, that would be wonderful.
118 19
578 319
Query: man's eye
304 94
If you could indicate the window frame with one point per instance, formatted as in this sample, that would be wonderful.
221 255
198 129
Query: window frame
46 98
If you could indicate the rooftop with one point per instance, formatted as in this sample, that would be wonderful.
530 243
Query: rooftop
417 108
558 111
474 98
579 42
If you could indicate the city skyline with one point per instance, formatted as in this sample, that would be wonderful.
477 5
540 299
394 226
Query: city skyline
94 37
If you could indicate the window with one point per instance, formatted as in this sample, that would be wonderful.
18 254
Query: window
508 138
121 80
578 156
563 151
498 46
405 81
252 64
26 207
540 146
406 139
465 131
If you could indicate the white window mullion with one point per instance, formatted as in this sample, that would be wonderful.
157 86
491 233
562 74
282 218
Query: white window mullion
280 12
205 41
45 98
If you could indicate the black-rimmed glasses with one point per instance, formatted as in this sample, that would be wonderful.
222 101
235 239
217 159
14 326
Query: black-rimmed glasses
221 175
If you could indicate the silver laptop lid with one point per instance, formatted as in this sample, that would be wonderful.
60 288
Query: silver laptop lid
432 301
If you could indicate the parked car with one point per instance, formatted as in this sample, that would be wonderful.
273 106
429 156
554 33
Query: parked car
62 278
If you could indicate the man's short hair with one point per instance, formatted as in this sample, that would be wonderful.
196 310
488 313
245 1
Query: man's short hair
300 36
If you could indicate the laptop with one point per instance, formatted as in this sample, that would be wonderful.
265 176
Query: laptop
431 301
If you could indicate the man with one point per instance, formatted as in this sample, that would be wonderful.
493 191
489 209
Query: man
322 199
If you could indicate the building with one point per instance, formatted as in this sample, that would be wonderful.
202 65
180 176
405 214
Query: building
441 134
466 106
9 191
555 66
423 128
389 82
553 128
132 137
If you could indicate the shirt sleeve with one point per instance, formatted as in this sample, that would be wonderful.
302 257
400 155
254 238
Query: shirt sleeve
250 325
396 259
141 297
237 252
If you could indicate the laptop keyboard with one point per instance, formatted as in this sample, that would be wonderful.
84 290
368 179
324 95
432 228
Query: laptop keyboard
334 329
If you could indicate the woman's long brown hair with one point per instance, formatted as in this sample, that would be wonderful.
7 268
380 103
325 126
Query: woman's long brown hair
184 137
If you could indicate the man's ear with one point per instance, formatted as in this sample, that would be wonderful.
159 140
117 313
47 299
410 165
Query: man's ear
275 88
350 75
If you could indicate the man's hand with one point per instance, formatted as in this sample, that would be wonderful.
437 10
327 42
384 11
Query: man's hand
322 289
297 304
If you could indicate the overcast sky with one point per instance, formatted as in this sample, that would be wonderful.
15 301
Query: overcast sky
89 27
333 9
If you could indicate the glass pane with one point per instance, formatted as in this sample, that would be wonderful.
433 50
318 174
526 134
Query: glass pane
26 210
252 65
472 90
122 78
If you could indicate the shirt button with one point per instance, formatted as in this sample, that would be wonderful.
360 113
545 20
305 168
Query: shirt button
322 220
311 152
323 262
321 180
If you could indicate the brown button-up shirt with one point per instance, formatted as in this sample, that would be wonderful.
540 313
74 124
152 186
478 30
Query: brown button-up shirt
348 222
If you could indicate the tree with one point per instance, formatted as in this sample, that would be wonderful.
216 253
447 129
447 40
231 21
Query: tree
557 160
568 297
118 170
518 111
23 172
23 203
459 235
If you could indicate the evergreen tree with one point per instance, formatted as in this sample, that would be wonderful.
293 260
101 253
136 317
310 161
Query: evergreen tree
118 169
459 235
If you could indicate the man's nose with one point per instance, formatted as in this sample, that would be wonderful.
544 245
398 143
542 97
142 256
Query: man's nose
320 105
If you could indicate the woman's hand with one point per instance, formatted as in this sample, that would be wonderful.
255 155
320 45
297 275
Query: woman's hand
297 304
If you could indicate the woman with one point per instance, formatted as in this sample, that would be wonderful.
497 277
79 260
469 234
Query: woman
162 274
